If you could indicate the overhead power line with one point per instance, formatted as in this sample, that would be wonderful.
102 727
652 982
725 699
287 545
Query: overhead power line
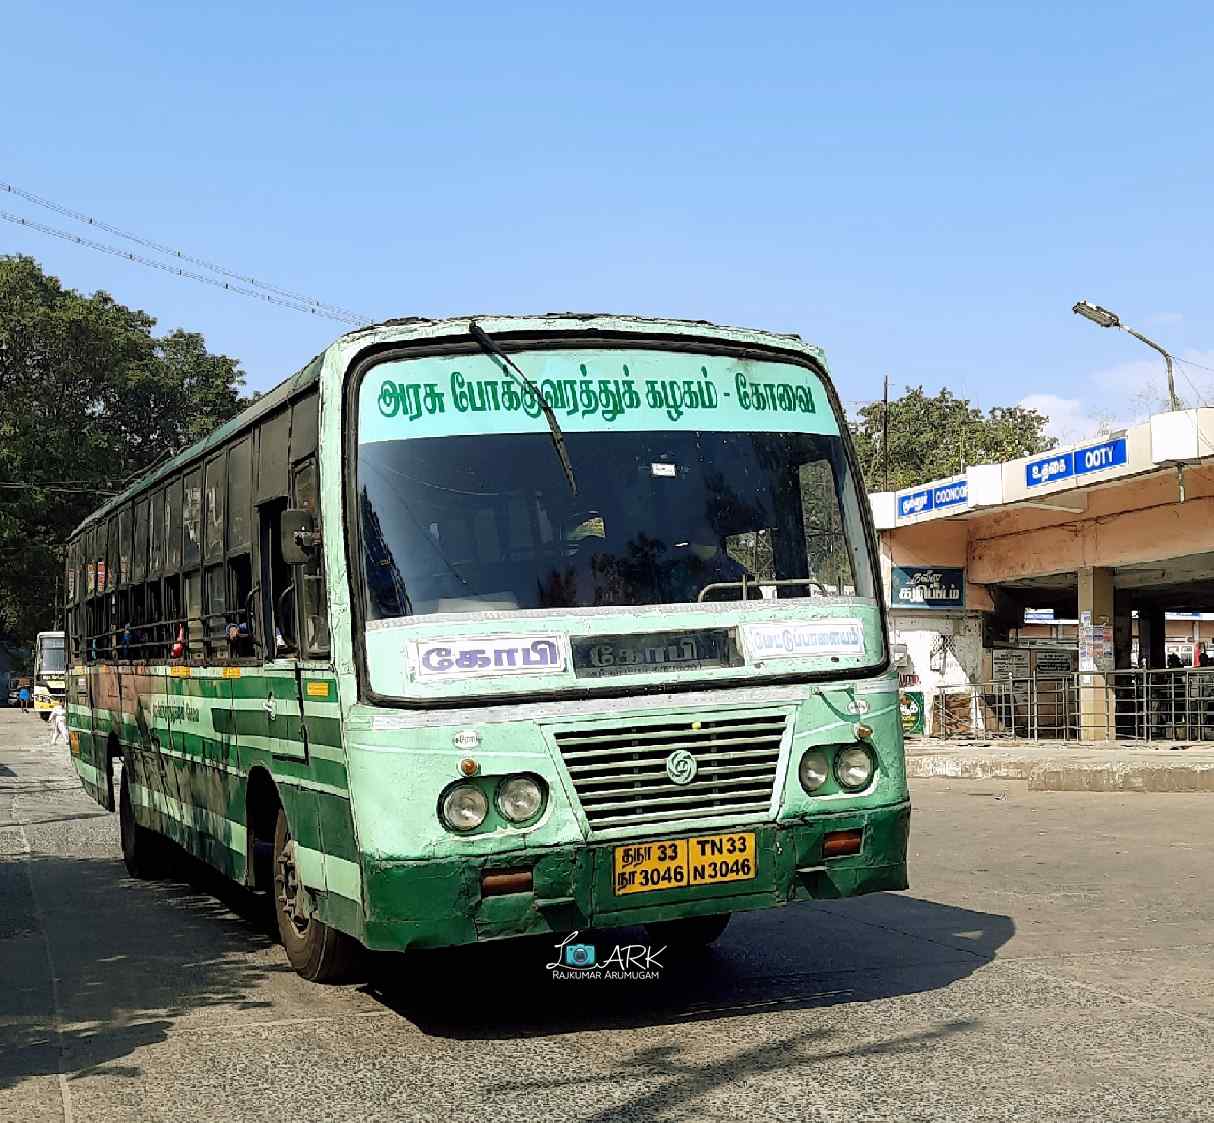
177 271
57 489
1190 363
158 247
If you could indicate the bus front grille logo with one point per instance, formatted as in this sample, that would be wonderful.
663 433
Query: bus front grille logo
681 767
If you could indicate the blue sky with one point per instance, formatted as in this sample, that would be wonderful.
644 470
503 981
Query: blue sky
924 190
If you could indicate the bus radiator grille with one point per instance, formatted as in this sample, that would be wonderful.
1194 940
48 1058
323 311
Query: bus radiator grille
620 772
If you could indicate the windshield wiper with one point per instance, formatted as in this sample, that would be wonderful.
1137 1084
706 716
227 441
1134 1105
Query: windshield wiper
558 438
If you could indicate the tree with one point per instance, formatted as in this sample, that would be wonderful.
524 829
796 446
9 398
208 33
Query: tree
931 437
90 398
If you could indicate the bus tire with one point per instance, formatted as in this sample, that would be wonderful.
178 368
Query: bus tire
45 715
689 931
318 953
141 848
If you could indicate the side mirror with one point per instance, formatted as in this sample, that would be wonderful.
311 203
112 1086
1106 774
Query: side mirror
299 536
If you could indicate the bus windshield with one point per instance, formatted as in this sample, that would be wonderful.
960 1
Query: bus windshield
51 659
730 483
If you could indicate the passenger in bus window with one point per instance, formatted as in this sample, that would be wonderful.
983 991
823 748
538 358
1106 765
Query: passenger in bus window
700 561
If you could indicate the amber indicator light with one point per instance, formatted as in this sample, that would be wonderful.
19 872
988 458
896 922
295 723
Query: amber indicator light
837 844
498 883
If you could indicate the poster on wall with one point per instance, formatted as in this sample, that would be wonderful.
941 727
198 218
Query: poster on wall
910 706
1095 644
922 586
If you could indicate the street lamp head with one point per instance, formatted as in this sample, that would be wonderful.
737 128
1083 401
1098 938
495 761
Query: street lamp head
1097 315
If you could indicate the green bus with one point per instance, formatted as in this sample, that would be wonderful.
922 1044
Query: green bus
474 629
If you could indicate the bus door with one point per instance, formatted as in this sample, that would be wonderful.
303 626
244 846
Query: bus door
281 705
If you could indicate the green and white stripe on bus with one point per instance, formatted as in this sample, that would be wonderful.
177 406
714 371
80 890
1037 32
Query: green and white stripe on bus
317 869
217 723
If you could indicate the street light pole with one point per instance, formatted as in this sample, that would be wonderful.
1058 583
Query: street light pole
1167 358
1102 317
1106 319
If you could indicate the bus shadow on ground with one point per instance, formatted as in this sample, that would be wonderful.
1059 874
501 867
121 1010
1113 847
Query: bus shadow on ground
806 955
128 959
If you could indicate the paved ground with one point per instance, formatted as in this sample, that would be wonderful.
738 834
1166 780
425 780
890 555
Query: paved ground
1054 960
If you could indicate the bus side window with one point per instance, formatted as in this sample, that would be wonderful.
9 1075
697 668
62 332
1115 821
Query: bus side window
174 614
242 625
214 579
272 574
310 580
155 629
191 558
139 646
278 603
110 588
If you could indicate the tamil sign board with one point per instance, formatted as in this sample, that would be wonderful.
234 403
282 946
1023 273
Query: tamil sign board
1053 663
1077 462
946 495
921 586
1010 663
1022 662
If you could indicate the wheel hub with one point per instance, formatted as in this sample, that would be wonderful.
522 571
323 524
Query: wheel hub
290 890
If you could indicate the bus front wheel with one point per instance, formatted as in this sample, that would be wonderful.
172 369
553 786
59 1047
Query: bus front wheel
317 952
688 932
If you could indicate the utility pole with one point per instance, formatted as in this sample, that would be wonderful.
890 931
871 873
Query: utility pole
885 436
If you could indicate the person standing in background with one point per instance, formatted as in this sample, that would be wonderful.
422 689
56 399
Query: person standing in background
59 725
23 696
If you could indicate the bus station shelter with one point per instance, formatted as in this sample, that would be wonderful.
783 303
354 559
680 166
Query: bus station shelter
1060 596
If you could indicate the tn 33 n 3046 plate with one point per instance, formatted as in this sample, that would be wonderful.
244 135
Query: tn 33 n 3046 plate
677 863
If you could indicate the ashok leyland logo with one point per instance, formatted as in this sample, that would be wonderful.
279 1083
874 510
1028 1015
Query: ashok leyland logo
575 960
681 767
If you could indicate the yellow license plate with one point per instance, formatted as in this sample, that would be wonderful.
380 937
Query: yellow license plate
642 867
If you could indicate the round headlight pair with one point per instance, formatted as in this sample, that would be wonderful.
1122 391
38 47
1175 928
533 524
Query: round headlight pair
853 769
519 798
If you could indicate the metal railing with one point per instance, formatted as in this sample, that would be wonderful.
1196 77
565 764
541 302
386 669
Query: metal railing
1130 705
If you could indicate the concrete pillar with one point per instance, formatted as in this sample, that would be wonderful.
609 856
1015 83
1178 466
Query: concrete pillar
1095 693
1151 636
1123 632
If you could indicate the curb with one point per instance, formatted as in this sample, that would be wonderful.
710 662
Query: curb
1069 774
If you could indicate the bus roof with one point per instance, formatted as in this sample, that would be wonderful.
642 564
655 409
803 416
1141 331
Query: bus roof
418 328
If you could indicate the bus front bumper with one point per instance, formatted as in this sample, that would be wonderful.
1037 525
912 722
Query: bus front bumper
443 902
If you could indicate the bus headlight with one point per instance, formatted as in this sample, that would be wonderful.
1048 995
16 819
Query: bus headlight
519 798
464 807
814 770
854 768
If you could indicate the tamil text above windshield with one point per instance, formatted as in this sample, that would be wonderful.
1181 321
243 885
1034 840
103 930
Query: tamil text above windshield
591 389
